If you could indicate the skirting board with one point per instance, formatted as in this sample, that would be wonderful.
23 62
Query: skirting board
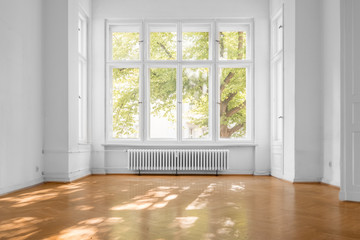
332 183
349 196
66 177
262 173
127 171
17 187
305 180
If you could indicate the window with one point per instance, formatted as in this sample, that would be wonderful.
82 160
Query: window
179 81
82 79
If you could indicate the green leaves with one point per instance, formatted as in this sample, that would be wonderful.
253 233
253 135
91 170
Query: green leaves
163 92
163 45
125 46
232 45
195 102
163 83
232 102
195 45
125 98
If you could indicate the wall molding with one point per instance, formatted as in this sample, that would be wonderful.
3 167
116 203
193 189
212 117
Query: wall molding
262 173
114 170
330 182
65 176
17 187
307 180
349 196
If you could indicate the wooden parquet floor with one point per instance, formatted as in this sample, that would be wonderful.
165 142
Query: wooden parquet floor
178 207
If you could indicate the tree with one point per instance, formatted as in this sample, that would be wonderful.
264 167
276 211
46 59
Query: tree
195 92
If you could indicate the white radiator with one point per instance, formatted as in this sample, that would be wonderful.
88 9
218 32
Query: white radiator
178 159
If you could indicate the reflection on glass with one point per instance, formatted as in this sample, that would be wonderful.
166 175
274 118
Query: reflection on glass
163 103
232 103
125 98
195 104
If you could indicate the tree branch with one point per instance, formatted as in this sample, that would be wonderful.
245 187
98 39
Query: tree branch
166 51
226 81
235 110
236 128
240 44
230 97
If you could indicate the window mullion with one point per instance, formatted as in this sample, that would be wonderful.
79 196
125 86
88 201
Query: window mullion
179 82
215 83
143 81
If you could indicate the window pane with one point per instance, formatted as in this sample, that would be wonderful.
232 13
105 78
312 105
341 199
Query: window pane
163 103
232 103
195 45
195 104
232 45
125 45
163 45
125 96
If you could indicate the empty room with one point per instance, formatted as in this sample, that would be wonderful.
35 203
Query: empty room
180 119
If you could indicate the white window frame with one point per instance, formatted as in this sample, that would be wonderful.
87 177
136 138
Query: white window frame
83 61
213 63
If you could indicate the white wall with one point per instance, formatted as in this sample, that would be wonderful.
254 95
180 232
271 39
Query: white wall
275 5
331 89
21 95
289 90
308 91
350 100
65 159
243 159
303 99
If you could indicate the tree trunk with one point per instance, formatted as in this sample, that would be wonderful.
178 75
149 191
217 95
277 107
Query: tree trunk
240 45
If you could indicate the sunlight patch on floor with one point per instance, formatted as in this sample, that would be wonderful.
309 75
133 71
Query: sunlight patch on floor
154 199
201 201
21 226
185 222
84 207
27 199
237 188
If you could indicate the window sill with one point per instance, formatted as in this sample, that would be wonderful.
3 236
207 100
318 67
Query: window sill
190 144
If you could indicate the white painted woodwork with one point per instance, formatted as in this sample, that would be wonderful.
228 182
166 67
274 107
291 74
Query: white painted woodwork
350 74
277 96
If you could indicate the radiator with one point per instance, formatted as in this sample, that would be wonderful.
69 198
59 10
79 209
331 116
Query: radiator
178 159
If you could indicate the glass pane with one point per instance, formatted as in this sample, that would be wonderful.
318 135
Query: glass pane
232 45
163 103
125 96
125 46
195 104
195 45
163 45
232 103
